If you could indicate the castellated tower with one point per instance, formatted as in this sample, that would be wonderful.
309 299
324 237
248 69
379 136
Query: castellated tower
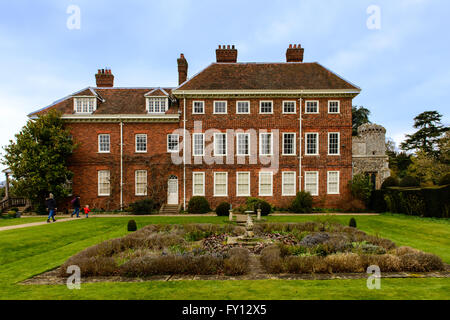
369 153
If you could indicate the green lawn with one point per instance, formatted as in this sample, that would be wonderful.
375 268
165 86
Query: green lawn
5 222
30 251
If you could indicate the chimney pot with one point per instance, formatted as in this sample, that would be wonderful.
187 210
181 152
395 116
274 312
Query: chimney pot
104 78
226 54
294 53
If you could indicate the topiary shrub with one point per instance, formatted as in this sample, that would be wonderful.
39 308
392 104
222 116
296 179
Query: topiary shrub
223 209
409 181
352 223
445 180
132 226
254 204
389 182
142 207
15 209
198 205
302 203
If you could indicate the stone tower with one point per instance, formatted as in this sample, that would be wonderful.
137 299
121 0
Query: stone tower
369 153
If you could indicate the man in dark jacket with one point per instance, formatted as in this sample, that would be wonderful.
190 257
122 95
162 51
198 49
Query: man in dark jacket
76 206
51 206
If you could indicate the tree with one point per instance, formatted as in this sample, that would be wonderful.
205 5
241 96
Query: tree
38 159
444 149
360 116
427 169
428 135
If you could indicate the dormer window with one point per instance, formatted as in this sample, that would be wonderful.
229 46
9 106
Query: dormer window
85 105
157 105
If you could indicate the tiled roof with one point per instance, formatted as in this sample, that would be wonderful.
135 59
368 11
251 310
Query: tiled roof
111 101
266 76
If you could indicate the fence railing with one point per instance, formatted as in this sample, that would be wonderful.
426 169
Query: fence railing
14 202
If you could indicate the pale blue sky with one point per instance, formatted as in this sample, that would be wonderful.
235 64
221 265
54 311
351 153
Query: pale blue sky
403 68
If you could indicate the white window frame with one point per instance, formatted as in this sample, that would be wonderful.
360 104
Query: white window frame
237 184
317 182
226 184
260 143
193 144
237 144
160 99
221 101
99 183
295 106
338 144
178 143
338 182
215 145
100 144
193 183
136 183
283 192
338 106
294 143
260 106
259 184
317 144
76 99
193 107
237 108
136 142
306 107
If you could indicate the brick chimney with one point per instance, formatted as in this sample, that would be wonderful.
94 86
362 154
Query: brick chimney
294 53
182 69
104 78
226 54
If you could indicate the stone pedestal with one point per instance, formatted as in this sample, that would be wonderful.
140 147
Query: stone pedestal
230 215
258 217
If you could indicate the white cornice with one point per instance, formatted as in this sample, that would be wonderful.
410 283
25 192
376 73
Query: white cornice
267 92
121 117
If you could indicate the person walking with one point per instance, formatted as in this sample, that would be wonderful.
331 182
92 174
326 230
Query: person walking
76 206
51 206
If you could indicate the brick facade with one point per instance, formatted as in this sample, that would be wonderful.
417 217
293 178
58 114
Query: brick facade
122 114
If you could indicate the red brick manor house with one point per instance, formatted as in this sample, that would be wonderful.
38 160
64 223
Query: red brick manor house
234 130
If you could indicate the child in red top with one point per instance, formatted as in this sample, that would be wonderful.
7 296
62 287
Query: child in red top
86 210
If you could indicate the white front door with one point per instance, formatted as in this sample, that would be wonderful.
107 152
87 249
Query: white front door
172 193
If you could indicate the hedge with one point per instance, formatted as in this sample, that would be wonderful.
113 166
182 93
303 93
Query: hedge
424 202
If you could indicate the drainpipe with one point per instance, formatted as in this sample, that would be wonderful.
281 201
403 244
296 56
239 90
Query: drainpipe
121 164
300 147
184 152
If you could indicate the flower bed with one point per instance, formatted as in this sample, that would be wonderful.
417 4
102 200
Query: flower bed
204 249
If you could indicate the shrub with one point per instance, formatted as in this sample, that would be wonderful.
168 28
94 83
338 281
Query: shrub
308 264
237 263
198 205
15 209
346 262
132 226
223 209
445 180
145 206
409 181
312 240
389 182
255 203
92 266
302 203
352 223
361 187
271 259
426 202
